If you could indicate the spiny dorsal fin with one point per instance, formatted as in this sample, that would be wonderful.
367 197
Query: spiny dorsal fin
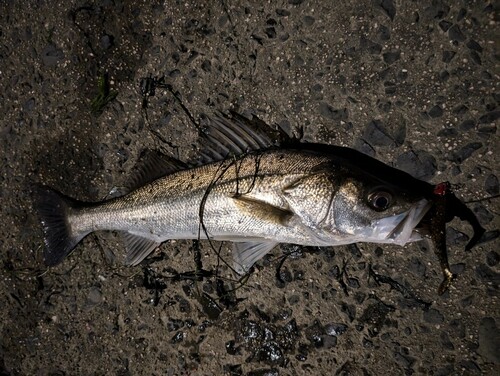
151 166
226 135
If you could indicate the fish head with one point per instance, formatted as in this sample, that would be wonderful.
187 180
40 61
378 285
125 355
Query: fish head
364 208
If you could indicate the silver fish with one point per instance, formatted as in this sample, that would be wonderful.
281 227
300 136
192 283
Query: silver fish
248 192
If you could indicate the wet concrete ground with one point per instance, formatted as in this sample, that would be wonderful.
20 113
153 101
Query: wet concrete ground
414 84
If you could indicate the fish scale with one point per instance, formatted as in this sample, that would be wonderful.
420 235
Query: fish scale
168 208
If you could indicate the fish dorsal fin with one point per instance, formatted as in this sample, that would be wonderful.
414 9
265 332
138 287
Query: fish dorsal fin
245 254
138 248
151 166
232 135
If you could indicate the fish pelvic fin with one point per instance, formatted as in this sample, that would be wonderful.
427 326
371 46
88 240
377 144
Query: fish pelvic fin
245 254
53 209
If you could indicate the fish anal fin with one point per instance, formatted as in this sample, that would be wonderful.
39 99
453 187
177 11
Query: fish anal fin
262 210
138 248
245 254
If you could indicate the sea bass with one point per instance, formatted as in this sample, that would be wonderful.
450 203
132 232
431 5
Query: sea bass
250 192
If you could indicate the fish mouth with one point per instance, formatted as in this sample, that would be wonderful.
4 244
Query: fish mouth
400 229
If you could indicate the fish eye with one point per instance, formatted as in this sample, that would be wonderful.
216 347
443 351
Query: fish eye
380 200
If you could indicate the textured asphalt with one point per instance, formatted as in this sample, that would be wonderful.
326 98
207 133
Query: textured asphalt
414 84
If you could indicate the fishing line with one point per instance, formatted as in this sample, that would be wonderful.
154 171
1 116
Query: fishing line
202 226
494 197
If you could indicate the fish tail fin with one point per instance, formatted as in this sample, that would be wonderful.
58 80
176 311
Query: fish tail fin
53 210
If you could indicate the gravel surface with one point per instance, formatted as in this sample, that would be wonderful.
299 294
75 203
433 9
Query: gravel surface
414 84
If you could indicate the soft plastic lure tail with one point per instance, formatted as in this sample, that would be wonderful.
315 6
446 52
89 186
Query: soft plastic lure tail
446 207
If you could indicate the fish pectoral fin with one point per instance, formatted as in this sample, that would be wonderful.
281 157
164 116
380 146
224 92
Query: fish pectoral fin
262 210
138 248
245 254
